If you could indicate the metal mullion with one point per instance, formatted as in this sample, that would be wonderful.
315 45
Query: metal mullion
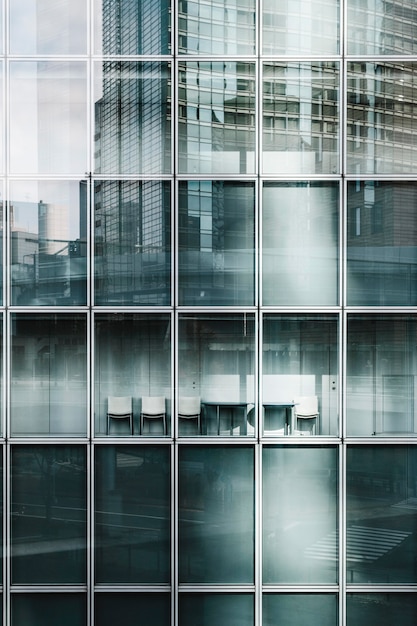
174 533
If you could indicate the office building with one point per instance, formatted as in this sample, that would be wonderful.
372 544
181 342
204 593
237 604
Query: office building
208 304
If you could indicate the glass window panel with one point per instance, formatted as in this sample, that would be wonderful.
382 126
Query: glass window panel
48 375
217 27
132 360
216 366
48 27
300 27
300 375
299 609
132 27
216 516
49 609
381 517
381 27
132 230
216 243
212 609
132 117
300 238
382 252
300 511
381 375
48 117
383 609
132 515
381 101
300 118
48 503
124 608
48 224
216 123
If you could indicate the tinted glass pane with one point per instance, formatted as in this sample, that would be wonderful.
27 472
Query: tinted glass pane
48 375
48 515
300 375
132 242
132 118
132 361
49 609
132 609
216 366
381 374
300 530
216 243
216 519
300 27
48 221
48 117
300 118
132 27
383 609
300 233
381 119
132 520
217 26
48 27
212 609
299 609
381 514
381 27
216 125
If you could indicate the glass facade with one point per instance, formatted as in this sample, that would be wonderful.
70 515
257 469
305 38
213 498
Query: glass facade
208 306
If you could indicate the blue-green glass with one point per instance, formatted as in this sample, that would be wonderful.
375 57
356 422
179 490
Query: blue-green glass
216 240
381 372
299 609
132 609
132 514
48 509
212 609
381 514
384 609
216 515
300 512
49 609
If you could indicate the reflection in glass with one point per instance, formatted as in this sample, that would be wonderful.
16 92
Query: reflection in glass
300 529
132 27
48 514
217 27
216 517
381 375
300 27
300 118
381 514
131 609
49 609
212 609
299 609
381 120
384 609
132 359
48 27
381 236
381 28
300 369
300 237
216 126
216 364
132 222
48 375
216 243
132 117
48 117
48 221
132 520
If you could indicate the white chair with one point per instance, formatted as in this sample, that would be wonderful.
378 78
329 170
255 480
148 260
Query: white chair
153 407
306 408
119 408
190 409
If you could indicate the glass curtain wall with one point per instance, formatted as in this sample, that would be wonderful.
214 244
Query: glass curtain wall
208 339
